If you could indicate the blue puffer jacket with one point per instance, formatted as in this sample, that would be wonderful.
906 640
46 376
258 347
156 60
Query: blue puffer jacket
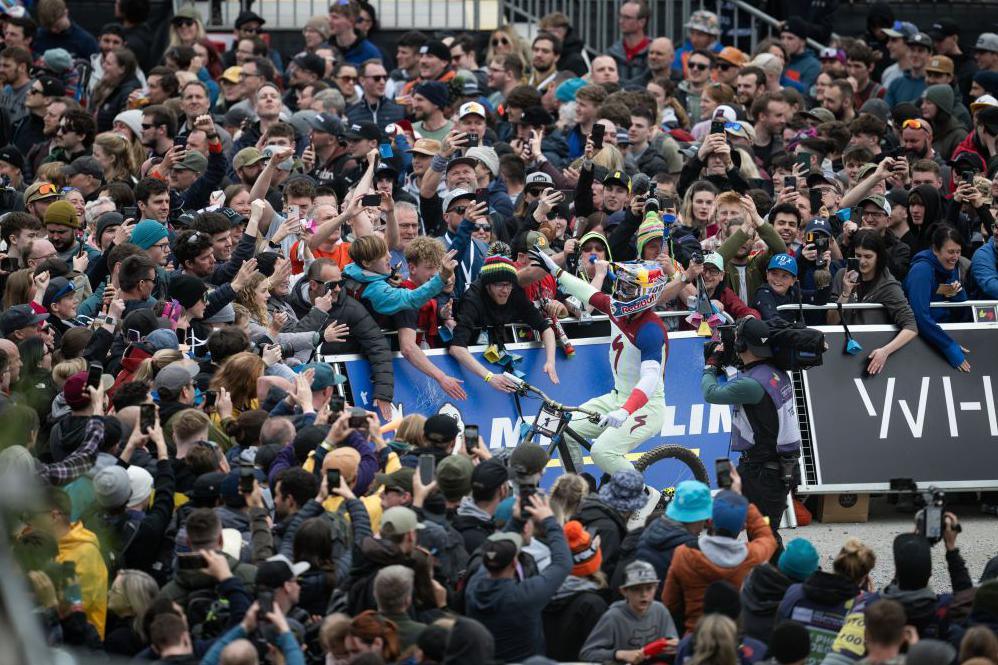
921 284
660 540
387 299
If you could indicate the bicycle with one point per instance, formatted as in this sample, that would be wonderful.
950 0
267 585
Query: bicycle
553 421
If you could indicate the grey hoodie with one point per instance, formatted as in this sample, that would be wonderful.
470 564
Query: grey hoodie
621 628
723 551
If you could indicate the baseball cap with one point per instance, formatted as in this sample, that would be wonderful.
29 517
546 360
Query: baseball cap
538 178
175 376
919 39
247 157
428 147
879 201
489 476
943 28
39 192
755 334
536 239
277 570
463 159
440 428
619 178
982 102
454 476
207 487
733 56
51 86
704 21
989 118
399 519
902 29
400 480
455 194
324 376
715 260
326 123
831 53
639 572
783 262
363 131
818 225
58 288
193 161
231 74
819 114
471 108
500 550
527 459
987 41
729 512
13 156
85 166
19 316
437 49
940 64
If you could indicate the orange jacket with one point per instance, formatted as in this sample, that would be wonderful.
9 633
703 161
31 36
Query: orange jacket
691 571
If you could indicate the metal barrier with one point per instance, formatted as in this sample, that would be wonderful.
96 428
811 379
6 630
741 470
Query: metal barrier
876 305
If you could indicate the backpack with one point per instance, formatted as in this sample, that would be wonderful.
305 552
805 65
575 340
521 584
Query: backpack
207 614
795 346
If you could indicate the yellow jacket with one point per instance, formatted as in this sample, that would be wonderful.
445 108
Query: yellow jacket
82 547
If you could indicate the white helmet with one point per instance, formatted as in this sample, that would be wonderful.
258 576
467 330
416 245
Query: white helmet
638 286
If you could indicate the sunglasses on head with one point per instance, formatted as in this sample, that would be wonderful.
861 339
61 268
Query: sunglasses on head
914 123
47 189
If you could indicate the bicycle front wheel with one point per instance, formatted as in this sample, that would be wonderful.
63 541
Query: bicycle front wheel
667 466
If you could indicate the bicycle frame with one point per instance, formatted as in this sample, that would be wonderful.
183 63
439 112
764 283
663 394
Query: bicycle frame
552 420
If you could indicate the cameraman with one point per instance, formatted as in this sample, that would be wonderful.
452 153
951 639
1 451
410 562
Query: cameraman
764 425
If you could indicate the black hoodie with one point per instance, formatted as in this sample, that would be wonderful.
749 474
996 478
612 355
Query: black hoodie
762 593
922 233
598 517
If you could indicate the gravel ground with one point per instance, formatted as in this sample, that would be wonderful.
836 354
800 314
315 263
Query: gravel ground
977 542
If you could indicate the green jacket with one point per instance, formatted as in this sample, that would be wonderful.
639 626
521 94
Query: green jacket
755 271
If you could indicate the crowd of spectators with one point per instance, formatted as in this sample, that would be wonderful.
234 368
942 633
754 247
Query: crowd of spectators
186 233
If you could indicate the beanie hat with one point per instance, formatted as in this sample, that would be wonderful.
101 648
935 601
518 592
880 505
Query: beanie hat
721 597
650 229
912 561
799 559
565 92
435 92
586 554
987 80
186 289
320 24
345 460
790 643
140 482
941 96
132 119
729 512
498 269
75 392
106 220
112 488
62 213
147 233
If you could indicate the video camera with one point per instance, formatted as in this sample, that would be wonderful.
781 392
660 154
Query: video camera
728 357
930 518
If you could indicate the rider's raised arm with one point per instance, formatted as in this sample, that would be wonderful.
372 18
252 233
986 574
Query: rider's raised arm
582 290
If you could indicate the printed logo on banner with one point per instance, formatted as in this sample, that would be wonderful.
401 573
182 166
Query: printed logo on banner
688 420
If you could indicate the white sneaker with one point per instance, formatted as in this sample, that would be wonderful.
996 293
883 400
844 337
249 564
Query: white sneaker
638 517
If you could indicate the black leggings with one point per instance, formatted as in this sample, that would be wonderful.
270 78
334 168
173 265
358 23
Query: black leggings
764 487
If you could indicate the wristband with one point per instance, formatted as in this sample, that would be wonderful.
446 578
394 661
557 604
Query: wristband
488 377
274 245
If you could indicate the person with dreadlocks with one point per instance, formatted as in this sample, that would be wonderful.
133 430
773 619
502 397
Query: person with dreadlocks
634 409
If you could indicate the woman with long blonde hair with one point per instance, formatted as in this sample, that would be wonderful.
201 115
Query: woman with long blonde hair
115 155
130 595
239 374
278 327
20 288
505 39
715 641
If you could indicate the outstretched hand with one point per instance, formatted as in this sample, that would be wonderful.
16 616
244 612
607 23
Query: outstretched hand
543 261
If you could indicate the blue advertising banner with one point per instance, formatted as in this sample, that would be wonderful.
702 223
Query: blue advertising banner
689 421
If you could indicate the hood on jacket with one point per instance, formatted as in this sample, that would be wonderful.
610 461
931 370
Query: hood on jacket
666 534
938 269
356 273
67 436
594 508
829 589
78 536
919 604
764 588
233 519
723 551
573 586
380 553
468 508
933 207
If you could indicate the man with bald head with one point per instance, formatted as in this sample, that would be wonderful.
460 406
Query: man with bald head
40 249
13 359
661 53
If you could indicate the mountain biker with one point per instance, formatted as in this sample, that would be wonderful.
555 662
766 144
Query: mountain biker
633 410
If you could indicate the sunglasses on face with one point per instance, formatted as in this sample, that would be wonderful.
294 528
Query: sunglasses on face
724 66
252 31
458 210
379 77
699 66
183 22
483 227
496 41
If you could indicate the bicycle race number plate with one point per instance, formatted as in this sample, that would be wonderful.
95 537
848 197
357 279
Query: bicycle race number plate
547 421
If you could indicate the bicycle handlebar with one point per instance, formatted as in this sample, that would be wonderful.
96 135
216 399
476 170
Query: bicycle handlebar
523 388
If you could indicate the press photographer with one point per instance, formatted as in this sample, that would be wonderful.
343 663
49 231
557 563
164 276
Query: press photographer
764 428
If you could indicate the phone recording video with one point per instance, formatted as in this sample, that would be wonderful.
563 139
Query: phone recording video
722 470
597 136
94 374
147 417
370 200
427 468
470 437
332 479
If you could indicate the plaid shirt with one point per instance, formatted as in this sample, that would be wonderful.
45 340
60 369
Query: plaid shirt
77 464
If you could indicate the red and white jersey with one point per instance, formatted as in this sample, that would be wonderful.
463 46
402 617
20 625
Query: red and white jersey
634 340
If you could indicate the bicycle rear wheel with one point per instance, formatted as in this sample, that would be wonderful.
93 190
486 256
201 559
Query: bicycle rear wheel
667 466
